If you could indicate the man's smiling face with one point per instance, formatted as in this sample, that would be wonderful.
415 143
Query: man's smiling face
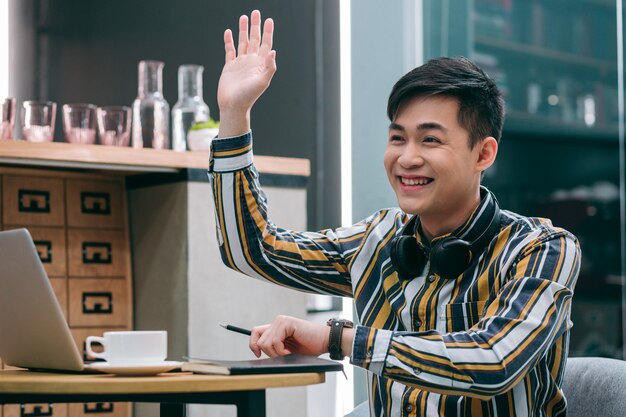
430 165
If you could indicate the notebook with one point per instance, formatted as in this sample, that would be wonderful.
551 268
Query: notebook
277 365
33 330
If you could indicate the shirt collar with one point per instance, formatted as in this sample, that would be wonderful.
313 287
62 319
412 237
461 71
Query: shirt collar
474 226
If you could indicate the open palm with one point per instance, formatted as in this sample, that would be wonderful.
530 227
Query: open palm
249 69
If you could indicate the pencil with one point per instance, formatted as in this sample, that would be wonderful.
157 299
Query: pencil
236 329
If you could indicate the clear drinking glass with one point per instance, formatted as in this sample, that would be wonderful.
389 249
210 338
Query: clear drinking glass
38 120
114 125
7 121
79 123
151 113
190 107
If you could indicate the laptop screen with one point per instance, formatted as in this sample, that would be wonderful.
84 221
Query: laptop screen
33 330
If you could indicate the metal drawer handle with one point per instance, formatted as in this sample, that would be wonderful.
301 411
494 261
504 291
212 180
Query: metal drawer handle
97 303
92 408
39 410
33 201
97 253
95 203
44 249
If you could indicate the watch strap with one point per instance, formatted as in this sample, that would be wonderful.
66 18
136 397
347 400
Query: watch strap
334 340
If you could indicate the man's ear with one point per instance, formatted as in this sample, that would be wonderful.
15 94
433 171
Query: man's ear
487 152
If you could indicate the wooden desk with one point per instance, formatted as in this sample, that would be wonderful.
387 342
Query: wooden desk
172 390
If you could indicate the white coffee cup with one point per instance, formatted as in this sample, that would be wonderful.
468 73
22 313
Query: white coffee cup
130 347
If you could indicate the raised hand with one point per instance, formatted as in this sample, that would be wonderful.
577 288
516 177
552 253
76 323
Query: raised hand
247 73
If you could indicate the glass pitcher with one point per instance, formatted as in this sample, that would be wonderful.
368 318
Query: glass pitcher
150 110
190 107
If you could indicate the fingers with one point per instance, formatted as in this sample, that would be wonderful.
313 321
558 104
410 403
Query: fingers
268 35
253 343
252 43
242 48
269 340
255 32
273 340
229 45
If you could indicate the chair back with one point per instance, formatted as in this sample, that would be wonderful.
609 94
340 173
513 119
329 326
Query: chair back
595 387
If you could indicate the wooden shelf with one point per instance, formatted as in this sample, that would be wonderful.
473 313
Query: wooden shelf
129 160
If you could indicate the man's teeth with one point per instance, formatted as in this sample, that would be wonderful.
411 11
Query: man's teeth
415 181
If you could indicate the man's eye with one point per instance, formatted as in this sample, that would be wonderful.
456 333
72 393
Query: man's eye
430 139
395 138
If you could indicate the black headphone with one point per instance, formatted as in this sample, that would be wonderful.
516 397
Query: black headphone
449 257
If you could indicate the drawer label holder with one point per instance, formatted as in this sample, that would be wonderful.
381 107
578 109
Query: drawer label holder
33 201
44 249
97 253
95 203
38 410
95 408
97 303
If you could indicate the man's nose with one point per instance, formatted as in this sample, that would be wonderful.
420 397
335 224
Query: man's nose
411 156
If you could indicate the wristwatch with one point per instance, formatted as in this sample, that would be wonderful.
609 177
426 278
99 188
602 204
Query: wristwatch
334 341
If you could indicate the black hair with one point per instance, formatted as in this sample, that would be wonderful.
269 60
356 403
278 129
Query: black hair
481 107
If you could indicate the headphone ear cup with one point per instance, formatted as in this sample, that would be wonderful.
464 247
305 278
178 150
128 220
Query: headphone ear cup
408 258
450 257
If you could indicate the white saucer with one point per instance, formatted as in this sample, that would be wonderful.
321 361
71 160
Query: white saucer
137 369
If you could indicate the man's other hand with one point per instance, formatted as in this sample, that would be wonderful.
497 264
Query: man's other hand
247 73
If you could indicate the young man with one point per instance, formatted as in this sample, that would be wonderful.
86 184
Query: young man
463 308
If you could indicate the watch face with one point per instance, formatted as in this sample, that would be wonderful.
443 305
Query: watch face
346 323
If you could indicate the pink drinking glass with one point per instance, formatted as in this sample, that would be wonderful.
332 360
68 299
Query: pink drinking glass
114 125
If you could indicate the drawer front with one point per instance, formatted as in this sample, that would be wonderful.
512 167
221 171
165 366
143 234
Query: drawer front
80 335
35 410
51 247
32 201
94 204
59 285
97 253
101 409
99 302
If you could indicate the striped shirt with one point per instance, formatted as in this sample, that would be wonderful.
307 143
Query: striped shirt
492 342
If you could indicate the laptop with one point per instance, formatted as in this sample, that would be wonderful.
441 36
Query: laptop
33 330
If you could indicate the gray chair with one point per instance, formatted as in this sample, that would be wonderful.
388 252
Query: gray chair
592 386
595 387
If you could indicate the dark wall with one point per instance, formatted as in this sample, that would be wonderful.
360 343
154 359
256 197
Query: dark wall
89 51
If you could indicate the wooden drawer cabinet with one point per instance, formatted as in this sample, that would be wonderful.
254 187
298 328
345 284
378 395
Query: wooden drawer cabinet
94 204
97 253
35 410
99 302
78 224
99 410
80 335
32 201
